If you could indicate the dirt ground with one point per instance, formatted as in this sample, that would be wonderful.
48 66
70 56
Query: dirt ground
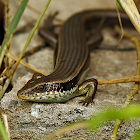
29 120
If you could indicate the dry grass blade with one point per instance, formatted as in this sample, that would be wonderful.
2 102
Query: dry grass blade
135 89
120 80
7 40
131 10
14 57
5 121
65 129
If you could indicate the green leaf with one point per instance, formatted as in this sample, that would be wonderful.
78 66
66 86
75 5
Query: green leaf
113 114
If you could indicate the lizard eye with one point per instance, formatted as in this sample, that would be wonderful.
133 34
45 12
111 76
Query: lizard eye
40 88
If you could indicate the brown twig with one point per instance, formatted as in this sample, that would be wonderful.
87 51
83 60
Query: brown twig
119 18
101 82
136 85
120 80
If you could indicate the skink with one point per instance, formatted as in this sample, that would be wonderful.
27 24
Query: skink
72 60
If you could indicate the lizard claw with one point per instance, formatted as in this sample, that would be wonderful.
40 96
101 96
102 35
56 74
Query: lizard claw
86 101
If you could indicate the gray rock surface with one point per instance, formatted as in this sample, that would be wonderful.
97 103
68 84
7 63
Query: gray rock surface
29 120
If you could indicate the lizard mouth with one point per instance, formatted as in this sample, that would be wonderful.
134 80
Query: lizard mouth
48 96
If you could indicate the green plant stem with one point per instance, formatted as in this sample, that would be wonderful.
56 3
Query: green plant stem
115 130
8 38
28 41
2 131
31 35
11 29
